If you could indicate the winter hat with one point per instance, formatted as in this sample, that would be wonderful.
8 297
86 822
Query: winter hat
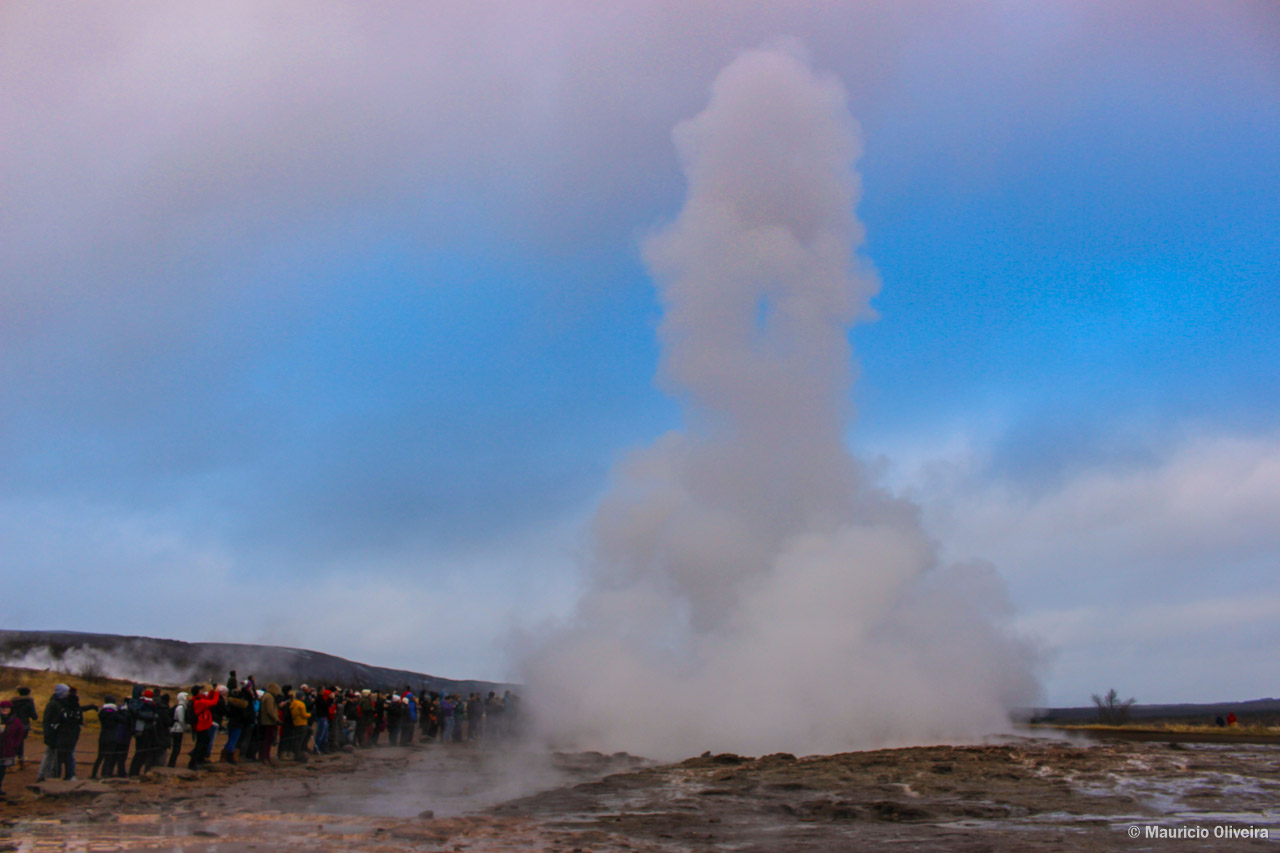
6 704
147 694
61 690
24 691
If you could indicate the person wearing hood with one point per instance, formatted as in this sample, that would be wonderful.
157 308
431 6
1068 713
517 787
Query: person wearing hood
69 734
164 725
110 721
268 720
24 708
10 739
301 719
411 714
239 709
182 717
203 705
49 730
394 714
146 730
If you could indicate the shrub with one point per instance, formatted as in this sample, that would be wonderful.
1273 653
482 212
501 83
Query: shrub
1111 710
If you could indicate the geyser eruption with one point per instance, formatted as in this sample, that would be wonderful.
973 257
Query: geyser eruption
750 589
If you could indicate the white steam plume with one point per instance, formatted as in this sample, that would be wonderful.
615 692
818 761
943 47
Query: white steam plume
751 590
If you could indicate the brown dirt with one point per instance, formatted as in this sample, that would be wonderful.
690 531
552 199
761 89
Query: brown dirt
1022 794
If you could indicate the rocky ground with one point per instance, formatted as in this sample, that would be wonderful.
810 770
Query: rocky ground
1022 793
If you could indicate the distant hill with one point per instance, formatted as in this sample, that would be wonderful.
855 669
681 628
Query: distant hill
174 662
1253 711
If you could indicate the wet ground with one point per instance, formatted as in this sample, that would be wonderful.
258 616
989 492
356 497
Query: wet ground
1019 794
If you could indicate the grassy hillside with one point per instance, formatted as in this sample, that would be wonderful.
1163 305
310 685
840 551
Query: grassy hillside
42 682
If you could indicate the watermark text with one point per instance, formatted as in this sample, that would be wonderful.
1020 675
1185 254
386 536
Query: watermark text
1200 832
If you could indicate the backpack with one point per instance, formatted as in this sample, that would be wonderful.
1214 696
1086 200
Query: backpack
54 721
165 717
143 722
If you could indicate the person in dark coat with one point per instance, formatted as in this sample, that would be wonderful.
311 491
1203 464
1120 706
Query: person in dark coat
430 717
251 739
68 734
364 718
24 708
379 715
395 714
116 766
164 725
239 719
146 731
284 704
110 720
322 715
10 739
49 731
350 717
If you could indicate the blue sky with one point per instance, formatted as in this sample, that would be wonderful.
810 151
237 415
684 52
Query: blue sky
342 310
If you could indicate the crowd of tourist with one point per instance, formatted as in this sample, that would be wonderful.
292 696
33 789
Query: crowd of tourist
254 721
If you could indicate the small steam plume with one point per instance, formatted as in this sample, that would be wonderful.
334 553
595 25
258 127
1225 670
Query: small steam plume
751 590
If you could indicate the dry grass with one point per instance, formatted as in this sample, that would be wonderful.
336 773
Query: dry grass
1239 728
1185 728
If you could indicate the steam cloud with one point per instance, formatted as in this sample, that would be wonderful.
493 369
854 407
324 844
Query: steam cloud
128 661
751 589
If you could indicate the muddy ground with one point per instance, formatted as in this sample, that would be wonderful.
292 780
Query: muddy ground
1018 794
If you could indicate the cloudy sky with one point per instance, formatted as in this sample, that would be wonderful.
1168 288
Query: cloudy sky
323 324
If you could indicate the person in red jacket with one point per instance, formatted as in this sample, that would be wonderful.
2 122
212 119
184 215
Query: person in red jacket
203 705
